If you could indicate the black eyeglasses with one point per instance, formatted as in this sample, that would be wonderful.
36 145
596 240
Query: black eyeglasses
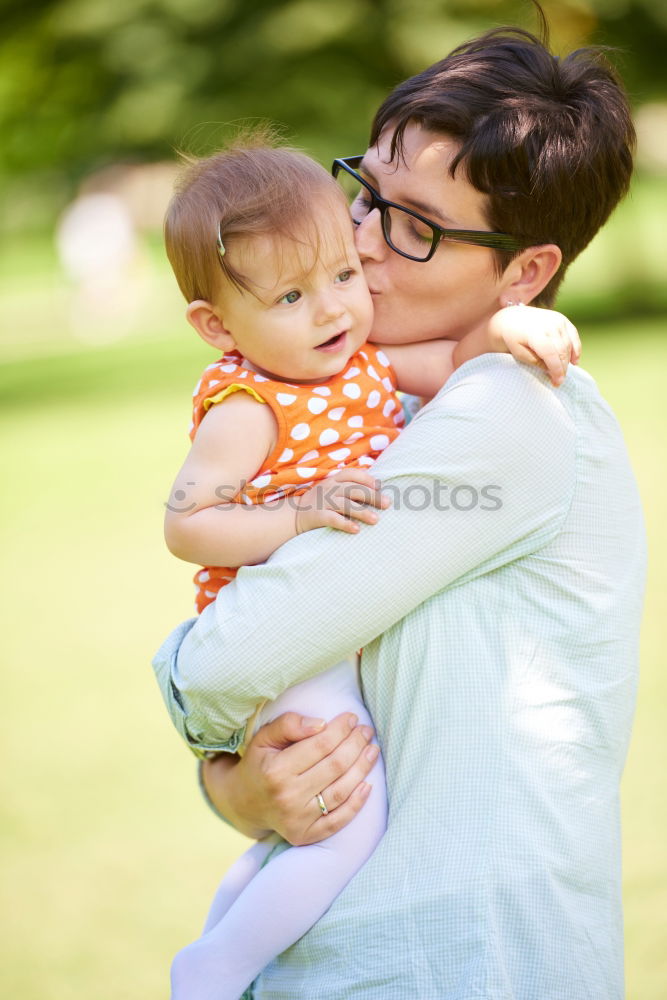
406 232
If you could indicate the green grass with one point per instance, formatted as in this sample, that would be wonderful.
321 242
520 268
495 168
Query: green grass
110 856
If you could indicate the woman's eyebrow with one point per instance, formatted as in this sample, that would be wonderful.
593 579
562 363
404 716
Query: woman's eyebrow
430 211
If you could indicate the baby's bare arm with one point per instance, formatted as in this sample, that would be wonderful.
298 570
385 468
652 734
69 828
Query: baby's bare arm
202 523
205 525
534 336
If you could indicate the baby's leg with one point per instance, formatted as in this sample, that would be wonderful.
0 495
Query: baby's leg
237 877
292 892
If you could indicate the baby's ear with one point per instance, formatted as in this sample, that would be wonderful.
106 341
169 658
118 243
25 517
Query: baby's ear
208 323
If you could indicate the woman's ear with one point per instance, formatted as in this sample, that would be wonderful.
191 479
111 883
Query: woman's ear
209 324
530 272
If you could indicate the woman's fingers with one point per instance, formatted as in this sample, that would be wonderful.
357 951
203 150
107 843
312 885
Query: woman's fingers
335 820
347 756
338 792
286 729
343 731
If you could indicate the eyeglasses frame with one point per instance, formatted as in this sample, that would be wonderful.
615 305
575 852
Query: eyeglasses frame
476 237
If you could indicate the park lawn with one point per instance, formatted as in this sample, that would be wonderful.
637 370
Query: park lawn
110 856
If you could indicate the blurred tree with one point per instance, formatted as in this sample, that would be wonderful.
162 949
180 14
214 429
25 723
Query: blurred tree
84 83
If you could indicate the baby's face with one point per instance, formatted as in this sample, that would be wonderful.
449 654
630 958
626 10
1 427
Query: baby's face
309 310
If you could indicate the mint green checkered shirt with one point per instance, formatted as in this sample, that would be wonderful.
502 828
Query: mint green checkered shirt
498 603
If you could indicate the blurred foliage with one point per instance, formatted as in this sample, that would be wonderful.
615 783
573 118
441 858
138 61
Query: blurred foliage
86 83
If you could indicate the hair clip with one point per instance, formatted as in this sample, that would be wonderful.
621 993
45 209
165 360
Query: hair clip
220 244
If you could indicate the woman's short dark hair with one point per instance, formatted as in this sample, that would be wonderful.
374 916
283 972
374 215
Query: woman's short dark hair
548 140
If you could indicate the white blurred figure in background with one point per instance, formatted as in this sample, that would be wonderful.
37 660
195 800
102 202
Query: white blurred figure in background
99 251
99 239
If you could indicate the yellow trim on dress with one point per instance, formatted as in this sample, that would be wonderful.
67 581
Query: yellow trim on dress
228 390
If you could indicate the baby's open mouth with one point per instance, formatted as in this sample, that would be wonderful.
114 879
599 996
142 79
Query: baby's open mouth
334 341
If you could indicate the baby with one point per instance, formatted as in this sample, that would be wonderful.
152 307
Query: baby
286 425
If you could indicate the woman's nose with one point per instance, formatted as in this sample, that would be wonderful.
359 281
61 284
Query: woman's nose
369 237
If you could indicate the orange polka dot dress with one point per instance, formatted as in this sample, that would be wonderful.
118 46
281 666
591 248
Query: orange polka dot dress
346 421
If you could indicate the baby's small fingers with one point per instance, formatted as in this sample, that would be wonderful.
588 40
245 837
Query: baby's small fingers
361 512
575 343
370 497
342 523
525 355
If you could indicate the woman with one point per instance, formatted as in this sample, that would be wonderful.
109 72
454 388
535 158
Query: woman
500 640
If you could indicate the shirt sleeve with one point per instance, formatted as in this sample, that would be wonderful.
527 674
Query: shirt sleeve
482 476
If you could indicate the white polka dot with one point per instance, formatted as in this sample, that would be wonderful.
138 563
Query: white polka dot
259 378
373 374
213 382
316 405
351 372
388 407
388 384
382 357
365 460
300 432
353 437
336 413
340 454
243 374
398 418
374 398
287 455
352 390
379 441
203 576
260 482
328 436
228 368
192 426
309 456
246 499
211 593
305 472
285 398
357 421
322 390
363 355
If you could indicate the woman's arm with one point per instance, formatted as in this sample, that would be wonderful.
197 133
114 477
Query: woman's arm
316 599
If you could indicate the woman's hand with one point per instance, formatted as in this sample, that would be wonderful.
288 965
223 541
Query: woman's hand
287 764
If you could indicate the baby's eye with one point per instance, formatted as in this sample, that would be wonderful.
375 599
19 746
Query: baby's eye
290 298
345 275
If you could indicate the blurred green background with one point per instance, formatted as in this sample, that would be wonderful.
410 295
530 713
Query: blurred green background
109 855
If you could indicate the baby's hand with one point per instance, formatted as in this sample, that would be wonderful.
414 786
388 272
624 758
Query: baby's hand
341 501
539 337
